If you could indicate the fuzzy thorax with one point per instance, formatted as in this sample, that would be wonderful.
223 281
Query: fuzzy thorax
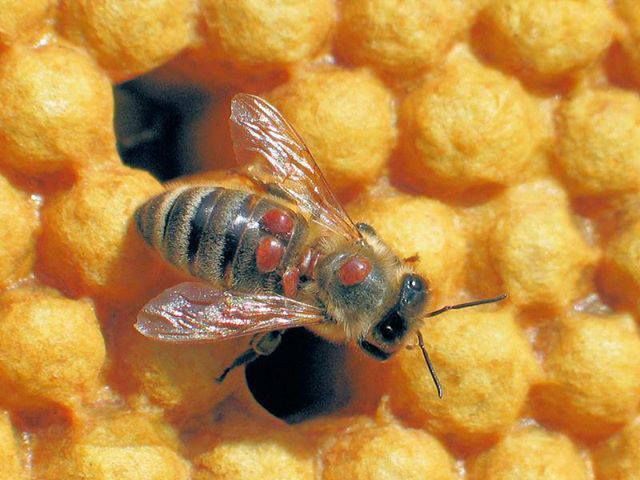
353 310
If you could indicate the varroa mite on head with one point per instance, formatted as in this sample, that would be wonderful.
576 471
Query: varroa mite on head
287 257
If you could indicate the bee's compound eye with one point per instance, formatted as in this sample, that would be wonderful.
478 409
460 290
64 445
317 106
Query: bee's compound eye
413 295
414 282
354 271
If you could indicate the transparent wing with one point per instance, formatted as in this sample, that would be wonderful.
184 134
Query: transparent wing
276 155
197 312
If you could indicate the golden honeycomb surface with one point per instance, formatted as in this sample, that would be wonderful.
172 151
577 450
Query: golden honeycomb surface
494 142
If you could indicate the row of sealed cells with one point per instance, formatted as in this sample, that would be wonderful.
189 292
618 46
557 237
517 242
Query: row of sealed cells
273 37
484 359
537 40
542 43
452 137
129 38
241 447
472 127
360 448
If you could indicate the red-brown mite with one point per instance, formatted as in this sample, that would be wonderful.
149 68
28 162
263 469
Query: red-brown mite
277 222
290 281
354 271
268 254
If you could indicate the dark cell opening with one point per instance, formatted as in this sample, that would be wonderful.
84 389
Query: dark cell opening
303 378
153 125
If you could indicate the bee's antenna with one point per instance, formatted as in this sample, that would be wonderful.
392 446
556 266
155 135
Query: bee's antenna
432 371
484 301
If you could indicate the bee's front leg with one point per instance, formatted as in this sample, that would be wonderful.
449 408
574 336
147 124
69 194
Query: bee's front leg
261 345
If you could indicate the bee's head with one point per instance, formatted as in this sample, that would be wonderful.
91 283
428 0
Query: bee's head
378 299
387 335
372 294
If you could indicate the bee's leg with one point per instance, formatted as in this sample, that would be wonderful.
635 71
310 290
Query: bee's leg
248 356
261 345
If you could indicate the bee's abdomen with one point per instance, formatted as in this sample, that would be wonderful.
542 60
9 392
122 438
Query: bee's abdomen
214 233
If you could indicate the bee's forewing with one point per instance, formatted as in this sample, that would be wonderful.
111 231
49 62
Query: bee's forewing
197 312
275 154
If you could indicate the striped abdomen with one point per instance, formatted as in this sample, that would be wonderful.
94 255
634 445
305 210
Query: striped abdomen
238 239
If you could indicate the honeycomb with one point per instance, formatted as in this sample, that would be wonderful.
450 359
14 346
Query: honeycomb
496 143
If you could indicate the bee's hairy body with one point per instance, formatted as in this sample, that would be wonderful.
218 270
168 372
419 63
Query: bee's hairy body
215 234
219 235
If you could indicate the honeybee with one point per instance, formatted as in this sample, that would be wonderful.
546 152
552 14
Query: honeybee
287 257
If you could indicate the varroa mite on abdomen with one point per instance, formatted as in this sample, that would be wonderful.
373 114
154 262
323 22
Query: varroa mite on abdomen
284 258
233 239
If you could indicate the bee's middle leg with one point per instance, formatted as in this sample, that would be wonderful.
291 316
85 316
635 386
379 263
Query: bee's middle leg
261 345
